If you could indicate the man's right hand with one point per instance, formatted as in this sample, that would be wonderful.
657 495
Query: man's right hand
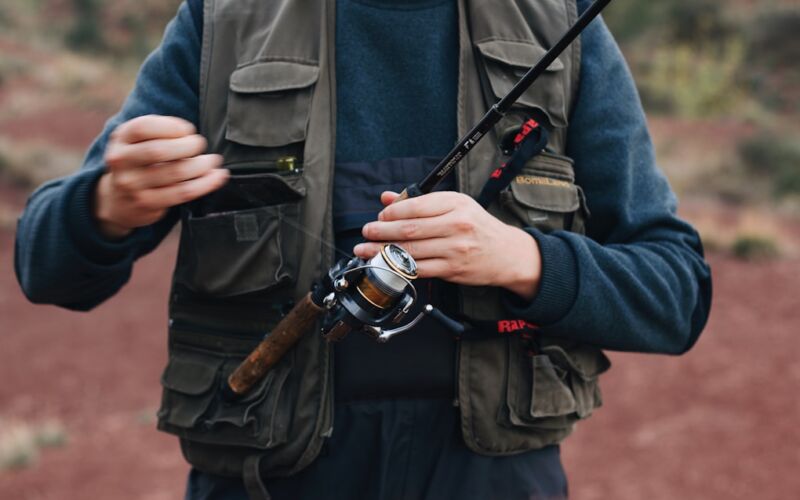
153 163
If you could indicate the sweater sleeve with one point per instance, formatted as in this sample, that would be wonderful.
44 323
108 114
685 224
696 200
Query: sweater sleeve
638 280
60 256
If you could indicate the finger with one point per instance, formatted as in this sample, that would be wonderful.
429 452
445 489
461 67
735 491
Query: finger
419 250
166 174
408 229
434 268
367 250
183 192
388 197
124 156
427 205
149 127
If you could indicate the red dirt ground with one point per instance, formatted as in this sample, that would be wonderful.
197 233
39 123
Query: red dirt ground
717 423
65 126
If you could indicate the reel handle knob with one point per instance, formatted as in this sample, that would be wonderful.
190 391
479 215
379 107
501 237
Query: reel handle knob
454 326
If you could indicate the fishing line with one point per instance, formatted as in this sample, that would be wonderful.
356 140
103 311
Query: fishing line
313 236
257 201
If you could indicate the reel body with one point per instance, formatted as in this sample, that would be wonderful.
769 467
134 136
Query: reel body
368 296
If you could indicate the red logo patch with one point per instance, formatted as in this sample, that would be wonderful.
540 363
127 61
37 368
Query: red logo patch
514 325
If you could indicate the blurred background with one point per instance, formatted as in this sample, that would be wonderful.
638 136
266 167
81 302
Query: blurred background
721 84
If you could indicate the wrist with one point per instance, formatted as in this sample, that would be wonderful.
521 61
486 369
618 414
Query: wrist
523 270
102 211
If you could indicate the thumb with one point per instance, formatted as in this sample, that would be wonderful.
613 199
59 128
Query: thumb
388 197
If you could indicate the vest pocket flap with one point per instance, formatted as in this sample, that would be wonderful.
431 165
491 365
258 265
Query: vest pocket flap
519 54
551 396
545 193
538 392
587 362
583 365
273 76
193 407
507 62
193 376
251 191
269 103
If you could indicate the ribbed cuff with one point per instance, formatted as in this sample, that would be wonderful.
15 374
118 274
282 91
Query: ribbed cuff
558 287
83 228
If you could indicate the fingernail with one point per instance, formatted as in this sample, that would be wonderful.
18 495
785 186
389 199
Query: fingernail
358 248
380 215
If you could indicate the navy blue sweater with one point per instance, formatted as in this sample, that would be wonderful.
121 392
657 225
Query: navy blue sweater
637 281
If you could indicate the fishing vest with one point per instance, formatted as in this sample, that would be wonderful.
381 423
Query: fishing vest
249 251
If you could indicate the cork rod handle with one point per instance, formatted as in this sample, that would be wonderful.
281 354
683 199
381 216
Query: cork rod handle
267 354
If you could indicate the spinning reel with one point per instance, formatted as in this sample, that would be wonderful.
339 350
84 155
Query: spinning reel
368 295
356 295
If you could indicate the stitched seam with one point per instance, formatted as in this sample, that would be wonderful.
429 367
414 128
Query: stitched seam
298 60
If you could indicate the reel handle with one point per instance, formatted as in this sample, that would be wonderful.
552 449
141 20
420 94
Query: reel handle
291 328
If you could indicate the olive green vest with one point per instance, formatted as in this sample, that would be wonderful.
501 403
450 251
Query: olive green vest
267 92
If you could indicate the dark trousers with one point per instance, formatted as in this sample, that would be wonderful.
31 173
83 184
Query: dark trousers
402 450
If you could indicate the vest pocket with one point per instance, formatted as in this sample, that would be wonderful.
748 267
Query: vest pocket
506 62
192 406
537 393
269 103
545 196
243 238
558 383
582 366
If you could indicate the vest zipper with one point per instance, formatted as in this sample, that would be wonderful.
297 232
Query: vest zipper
218 332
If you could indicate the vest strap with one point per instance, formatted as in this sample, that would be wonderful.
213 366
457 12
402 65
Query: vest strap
529 142
256 489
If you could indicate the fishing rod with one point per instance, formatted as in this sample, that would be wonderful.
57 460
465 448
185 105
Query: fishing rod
376 295
499 109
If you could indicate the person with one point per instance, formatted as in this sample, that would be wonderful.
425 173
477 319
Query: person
269 129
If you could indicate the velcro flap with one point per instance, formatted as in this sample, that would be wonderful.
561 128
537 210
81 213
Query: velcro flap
544 193
190 375
273 76
519 54
587 362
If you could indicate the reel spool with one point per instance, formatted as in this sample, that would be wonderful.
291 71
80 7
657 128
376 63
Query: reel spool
369 296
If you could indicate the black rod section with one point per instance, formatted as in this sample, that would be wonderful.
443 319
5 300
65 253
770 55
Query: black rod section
498 110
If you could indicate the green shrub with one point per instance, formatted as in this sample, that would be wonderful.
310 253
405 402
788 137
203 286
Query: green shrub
697 22
20 442
772 73
752 247
774 156
688 82
772 38
86 33
18 448
628 19
51 434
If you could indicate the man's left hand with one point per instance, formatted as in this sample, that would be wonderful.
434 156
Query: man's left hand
453 238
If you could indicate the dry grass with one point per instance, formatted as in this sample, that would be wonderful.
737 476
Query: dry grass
21 443
8 217
41 80
32 163
748 233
